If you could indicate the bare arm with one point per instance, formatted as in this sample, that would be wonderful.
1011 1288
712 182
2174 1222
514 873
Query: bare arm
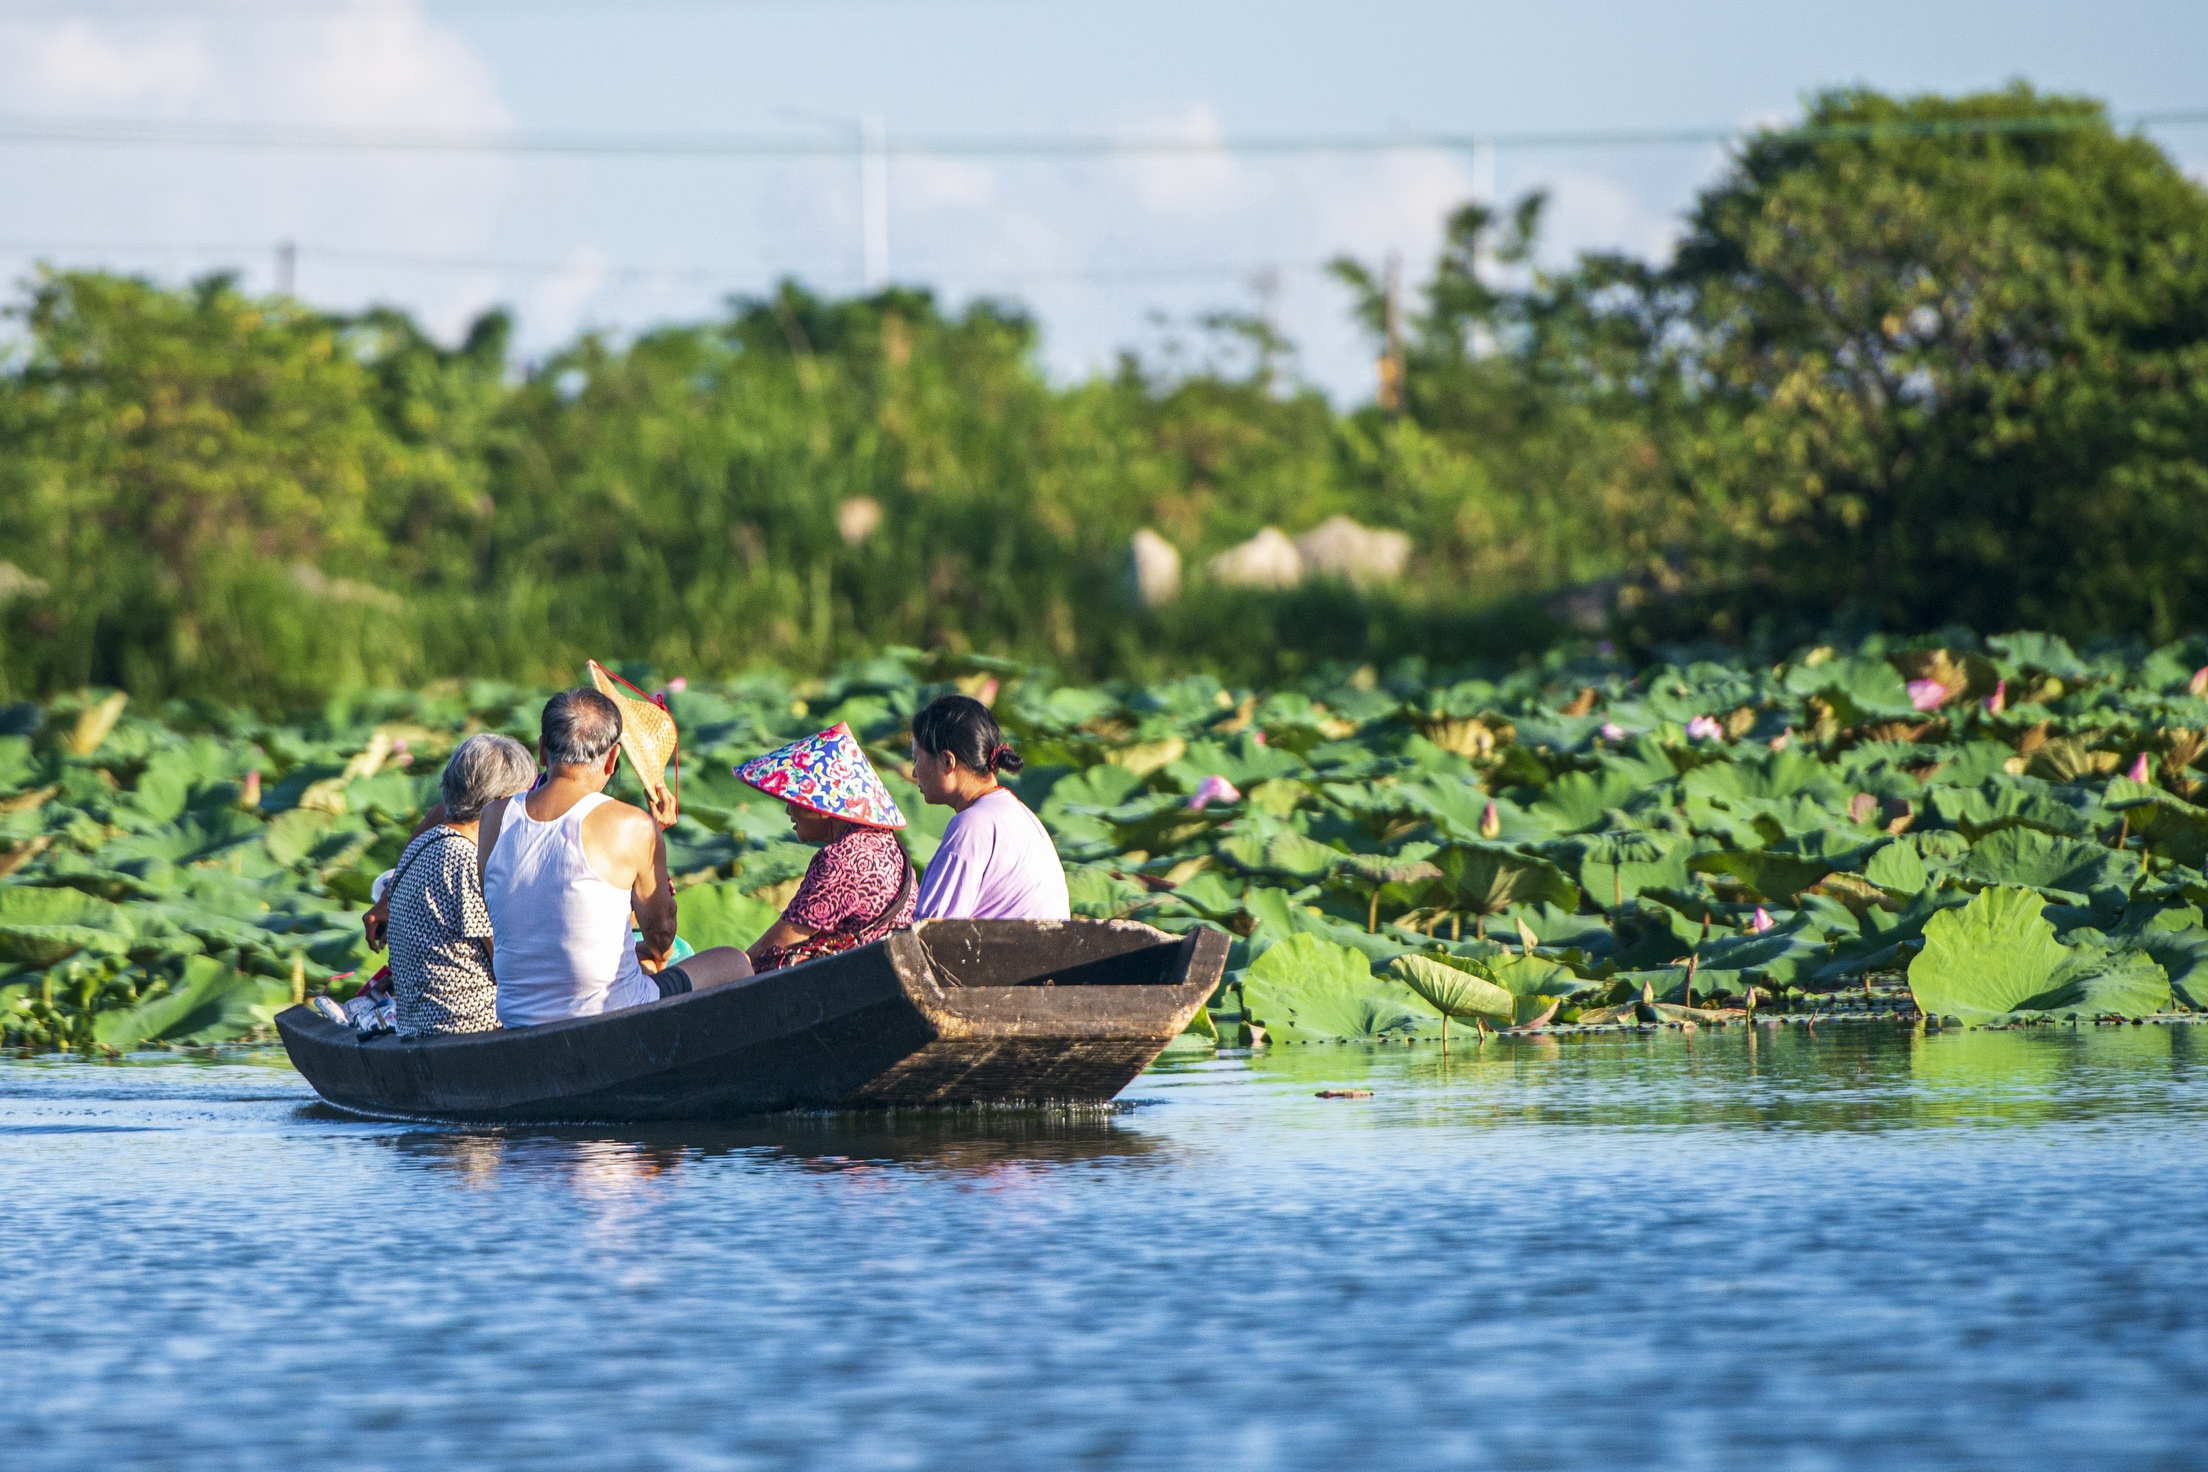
653 899
780 933
376 923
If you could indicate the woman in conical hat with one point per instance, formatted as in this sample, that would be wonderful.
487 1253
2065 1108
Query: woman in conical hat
860 886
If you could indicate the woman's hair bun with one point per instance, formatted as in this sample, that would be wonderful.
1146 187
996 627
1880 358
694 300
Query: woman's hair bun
963 726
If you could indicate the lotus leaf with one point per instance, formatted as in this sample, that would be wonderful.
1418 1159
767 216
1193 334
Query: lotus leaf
2056 867
1770 875
1486 879
1288 853
1578 801
2152 813
2018 803
709 915
1864 687
2031 653
213 1003
1898 867
2178 944
1998 957
292 834
1454 991
1306 989
1099 894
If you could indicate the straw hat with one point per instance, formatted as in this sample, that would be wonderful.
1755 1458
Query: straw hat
828 773
647 731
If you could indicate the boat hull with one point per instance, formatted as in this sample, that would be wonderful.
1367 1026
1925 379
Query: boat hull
946 1012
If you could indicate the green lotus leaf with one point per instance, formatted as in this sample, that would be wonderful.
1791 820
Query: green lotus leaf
1209 894
1862 687
2043 861
1099 894
213 1003
710 915
2018 802
1289 853
1899 867
1616 866
1486 879
290 835
1278 916
2180 947
1771 876
1579 800
1997 957
1454 991
189 839
1305 989
2153 813
2045 654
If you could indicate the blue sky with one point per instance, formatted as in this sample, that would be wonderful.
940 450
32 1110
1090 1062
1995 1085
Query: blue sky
1109 253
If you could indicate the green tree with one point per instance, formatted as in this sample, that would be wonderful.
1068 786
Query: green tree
1946 360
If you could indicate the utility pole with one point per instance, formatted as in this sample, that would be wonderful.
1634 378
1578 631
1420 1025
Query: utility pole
1391 352
872 137
287 266
1265 281
874 198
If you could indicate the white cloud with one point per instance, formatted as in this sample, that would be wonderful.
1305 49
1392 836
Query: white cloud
75 62
180 211
1202 181
555 308
1588 212
930 181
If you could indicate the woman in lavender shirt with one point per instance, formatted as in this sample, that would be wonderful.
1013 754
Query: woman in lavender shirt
996 862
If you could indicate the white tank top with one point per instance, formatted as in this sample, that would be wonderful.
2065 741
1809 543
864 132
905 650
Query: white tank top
560 934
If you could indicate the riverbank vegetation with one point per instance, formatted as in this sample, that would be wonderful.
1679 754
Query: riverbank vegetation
1998 830
1913 363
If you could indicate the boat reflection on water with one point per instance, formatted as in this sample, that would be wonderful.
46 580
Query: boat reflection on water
986 1145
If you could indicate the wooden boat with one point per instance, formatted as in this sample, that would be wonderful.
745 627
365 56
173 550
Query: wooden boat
946 1012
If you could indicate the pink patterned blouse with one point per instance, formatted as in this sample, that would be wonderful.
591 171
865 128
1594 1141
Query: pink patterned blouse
855 891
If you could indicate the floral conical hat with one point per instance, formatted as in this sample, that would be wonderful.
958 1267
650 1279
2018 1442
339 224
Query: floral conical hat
828 773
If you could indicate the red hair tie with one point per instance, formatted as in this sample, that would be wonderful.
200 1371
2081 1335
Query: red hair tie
997 754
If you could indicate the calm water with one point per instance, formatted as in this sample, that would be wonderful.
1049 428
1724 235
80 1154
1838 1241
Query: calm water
1770 1250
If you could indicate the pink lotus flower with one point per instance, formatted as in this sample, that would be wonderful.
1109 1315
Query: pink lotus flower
678 684
2198 684
1998 701
1783 740
1927 694
2140 772
987 693
1213 789
1762 922
1702 728
1258 737
1611 731
1491 822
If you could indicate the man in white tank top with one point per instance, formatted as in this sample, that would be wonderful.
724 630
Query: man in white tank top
565 868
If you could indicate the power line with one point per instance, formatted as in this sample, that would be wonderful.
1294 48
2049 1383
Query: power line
138 133
257 11
762 270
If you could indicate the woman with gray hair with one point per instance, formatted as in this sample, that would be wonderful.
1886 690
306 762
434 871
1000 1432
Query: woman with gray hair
439 931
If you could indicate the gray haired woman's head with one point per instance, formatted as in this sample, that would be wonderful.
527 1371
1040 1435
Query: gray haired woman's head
484 769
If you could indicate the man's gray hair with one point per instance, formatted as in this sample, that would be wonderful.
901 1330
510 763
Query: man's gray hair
483 769
579 728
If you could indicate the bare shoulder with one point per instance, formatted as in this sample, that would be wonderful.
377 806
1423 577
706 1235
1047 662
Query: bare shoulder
619 836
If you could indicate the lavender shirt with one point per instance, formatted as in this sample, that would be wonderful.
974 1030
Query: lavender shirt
996 863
